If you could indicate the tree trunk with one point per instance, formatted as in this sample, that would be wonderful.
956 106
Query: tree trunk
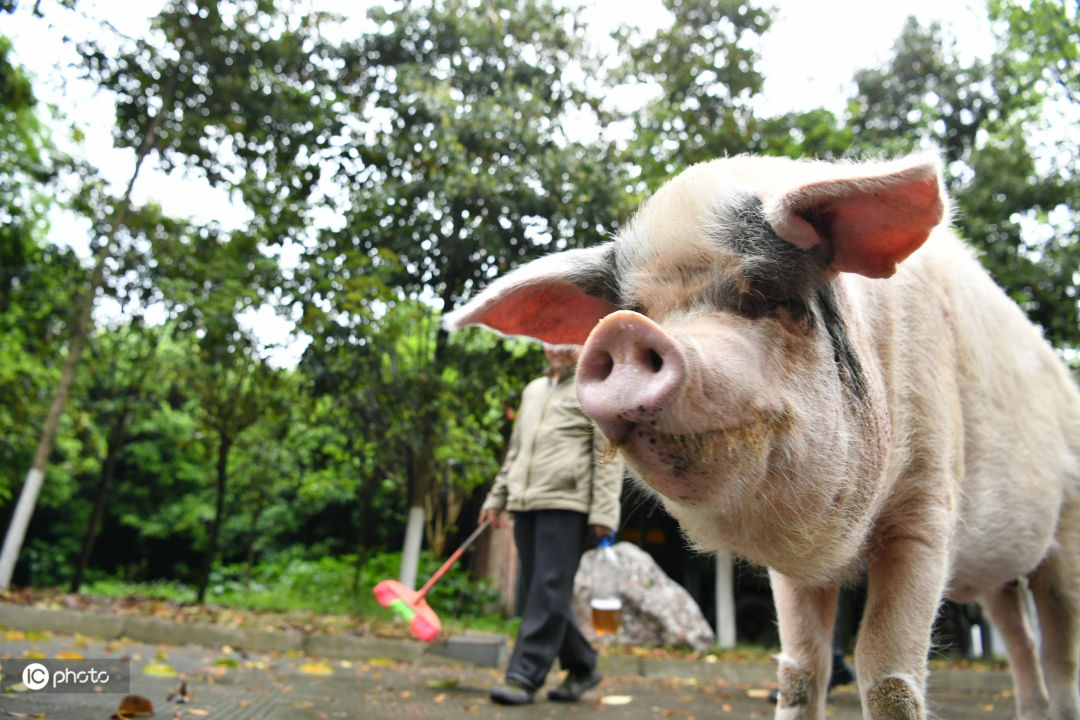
219 516
80 331
422 462
115 443
253 537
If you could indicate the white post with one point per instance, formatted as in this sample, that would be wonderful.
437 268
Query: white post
410 553
725 599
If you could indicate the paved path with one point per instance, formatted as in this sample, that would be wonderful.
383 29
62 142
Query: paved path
393 680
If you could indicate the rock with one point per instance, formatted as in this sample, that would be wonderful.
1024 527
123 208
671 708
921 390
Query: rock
656 610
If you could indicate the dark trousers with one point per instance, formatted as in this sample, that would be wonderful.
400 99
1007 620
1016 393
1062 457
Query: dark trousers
549 544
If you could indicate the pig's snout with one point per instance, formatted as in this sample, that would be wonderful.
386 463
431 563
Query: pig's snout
628 372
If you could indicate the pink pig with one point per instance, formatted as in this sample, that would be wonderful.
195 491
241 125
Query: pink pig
811 370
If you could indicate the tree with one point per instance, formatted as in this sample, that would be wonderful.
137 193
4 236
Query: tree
982 115
233 390
28 165
36 279
465 170
236 90
704 65
121 391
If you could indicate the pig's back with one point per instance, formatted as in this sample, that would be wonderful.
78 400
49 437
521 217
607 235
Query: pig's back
1004 413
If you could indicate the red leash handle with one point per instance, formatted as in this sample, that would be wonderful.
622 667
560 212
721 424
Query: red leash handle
450 561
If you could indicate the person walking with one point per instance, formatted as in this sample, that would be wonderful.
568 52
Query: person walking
560 482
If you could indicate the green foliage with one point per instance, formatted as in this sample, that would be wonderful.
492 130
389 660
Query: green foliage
981 114
331 584
704 66
37 281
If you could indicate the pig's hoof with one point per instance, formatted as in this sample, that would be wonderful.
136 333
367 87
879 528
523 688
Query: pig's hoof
796 686
894 699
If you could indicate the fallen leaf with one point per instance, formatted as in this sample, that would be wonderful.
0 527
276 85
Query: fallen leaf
195 711
316 668
12 713
227 662
442 684
134 706
160 670
34 655
758 693
441 697
616 700
14 636
380 662
69 655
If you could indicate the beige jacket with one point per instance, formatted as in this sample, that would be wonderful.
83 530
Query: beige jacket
556 460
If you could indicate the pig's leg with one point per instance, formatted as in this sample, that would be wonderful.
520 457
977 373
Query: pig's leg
1005 608
1055 585
904 586
806 617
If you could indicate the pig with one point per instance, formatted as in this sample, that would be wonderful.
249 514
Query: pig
809 368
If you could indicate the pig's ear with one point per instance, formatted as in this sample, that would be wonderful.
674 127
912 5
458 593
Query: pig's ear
546 299
870 219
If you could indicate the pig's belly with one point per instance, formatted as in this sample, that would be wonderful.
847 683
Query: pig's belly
984 559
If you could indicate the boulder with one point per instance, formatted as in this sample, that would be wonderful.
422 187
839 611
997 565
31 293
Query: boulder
656 610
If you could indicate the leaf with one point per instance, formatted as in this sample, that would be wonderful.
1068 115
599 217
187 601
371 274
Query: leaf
616 700
160 670
316 668
69 655
12 713
227 662
442 684
134 706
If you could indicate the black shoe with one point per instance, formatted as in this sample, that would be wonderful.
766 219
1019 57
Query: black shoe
512 692
574 686
842 673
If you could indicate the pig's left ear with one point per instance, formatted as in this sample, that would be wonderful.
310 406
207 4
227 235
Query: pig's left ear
870 219
547 299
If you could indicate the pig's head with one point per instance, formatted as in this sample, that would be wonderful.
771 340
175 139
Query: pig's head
723 351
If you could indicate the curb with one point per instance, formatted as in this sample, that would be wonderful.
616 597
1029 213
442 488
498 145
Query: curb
169 632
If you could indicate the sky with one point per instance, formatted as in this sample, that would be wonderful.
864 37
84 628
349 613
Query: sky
808 58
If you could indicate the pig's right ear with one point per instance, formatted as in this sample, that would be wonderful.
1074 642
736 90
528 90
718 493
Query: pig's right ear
545 299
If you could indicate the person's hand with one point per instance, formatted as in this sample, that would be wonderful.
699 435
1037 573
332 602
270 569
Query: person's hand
490 515
601 531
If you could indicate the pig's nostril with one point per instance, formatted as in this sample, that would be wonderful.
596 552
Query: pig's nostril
656 360
601 365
